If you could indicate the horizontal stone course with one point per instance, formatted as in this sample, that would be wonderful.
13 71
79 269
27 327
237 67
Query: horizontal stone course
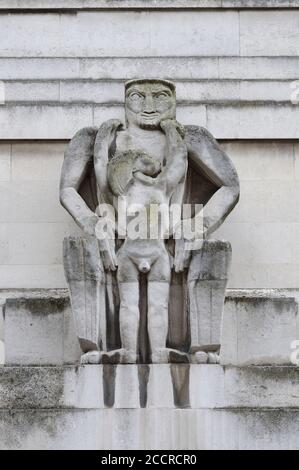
144 4
257 330
210 386
175 68
250 121
112 91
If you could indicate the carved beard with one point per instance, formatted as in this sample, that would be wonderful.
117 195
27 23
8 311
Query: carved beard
149 126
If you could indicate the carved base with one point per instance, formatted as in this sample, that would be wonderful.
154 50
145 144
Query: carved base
177 406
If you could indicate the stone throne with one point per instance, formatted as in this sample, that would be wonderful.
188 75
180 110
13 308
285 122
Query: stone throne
196 294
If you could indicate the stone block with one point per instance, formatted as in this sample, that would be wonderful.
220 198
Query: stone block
43 122
268 275
127 67
5 162
262 161
37 162
32 276
253 121
38 68
32 92
34 332
208 33
248 68
4 243
31 202
258 330
36 243
230 408
259 243
269 33
274 204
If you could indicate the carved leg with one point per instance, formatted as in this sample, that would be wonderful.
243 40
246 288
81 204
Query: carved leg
157 318
129 320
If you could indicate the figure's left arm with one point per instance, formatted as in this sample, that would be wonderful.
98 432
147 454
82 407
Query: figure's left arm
208 157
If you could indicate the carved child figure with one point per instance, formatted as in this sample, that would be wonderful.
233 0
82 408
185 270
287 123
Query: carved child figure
139 177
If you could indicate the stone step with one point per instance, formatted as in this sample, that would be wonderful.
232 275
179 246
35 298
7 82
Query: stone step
190 407
258 329
197 386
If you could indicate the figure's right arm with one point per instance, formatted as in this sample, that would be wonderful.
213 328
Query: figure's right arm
77 161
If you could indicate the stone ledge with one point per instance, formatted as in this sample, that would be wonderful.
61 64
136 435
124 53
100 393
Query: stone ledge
258 327
155 429
144 4
158 386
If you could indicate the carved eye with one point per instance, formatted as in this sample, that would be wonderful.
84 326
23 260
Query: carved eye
135 96
162 95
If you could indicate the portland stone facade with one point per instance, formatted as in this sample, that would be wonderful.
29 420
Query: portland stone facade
154 295
154 339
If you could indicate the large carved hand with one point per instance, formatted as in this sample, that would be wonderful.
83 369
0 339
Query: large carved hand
107 246
181 256
107 249
168 125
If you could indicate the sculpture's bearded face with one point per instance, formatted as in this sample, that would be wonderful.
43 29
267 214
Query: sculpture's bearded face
147 104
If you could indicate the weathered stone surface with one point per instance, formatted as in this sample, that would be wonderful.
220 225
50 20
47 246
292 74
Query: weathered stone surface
131 386
145 4
207 279
208 33
39 331
152 161
231 121
64 408
243 342
177 68
259 330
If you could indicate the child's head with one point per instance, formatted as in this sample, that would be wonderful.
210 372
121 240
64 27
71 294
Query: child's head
123 165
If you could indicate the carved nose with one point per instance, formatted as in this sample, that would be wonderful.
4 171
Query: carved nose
149 107
144 267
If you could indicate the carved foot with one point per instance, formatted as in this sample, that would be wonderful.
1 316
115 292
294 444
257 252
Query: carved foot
213 358
119 356
200 357
91 357
169 356
205 354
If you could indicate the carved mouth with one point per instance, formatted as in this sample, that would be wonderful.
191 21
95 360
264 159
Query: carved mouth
150 116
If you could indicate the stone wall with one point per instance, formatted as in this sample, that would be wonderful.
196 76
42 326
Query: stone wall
63 68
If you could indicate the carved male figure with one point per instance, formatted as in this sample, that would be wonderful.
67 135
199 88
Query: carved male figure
146 161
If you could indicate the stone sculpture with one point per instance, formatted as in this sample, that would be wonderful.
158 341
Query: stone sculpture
147 299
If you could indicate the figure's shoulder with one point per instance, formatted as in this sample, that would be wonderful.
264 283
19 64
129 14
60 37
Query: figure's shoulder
196 132
86 132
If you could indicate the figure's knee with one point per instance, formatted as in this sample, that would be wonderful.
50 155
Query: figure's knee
129 308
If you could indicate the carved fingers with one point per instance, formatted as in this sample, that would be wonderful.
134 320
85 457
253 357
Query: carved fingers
182 256
168 125
107 248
